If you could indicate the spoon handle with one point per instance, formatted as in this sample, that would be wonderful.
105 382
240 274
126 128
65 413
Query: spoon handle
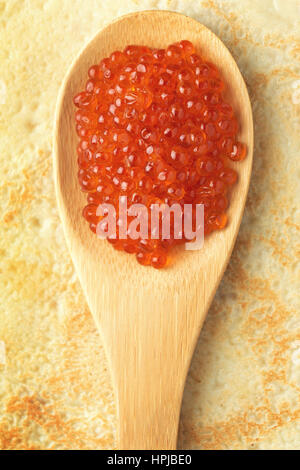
148 405
149 347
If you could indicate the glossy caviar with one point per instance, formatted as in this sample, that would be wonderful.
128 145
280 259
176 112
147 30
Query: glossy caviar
154 126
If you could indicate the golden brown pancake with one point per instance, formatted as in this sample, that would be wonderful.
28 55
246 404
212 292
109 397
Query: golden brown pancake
243 387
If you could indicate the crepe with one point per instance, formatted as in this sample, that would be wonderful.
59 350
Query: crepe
242 390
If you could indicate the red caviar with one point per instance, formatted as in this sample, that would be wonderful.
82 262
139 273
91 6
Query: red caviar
154 126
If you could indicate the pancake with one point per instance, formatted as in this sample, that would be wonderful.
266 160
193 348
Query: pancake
242 390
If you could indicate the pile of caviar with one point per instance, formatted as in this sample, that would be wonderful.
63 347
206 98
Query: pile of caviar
154 126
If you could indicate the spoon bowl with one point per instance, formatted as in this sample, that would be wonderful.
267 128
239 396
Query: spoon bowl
149 319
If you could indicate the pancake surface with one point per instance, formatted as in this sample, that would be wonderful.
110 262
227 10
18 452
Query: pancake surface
242 390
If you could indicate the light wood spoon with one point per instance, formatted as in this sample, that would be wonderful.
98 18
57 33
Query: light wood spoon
149 319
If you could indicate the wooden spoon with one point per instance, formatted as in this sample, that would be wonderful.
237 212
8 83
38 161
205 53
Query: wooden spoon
149 319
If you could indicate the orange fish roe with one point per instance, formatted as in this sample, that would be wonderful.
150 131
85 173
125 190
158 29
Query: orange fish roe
154 126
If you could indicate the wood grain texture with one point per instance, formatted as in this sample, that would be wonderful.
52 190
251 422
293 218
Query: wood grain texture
149 319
